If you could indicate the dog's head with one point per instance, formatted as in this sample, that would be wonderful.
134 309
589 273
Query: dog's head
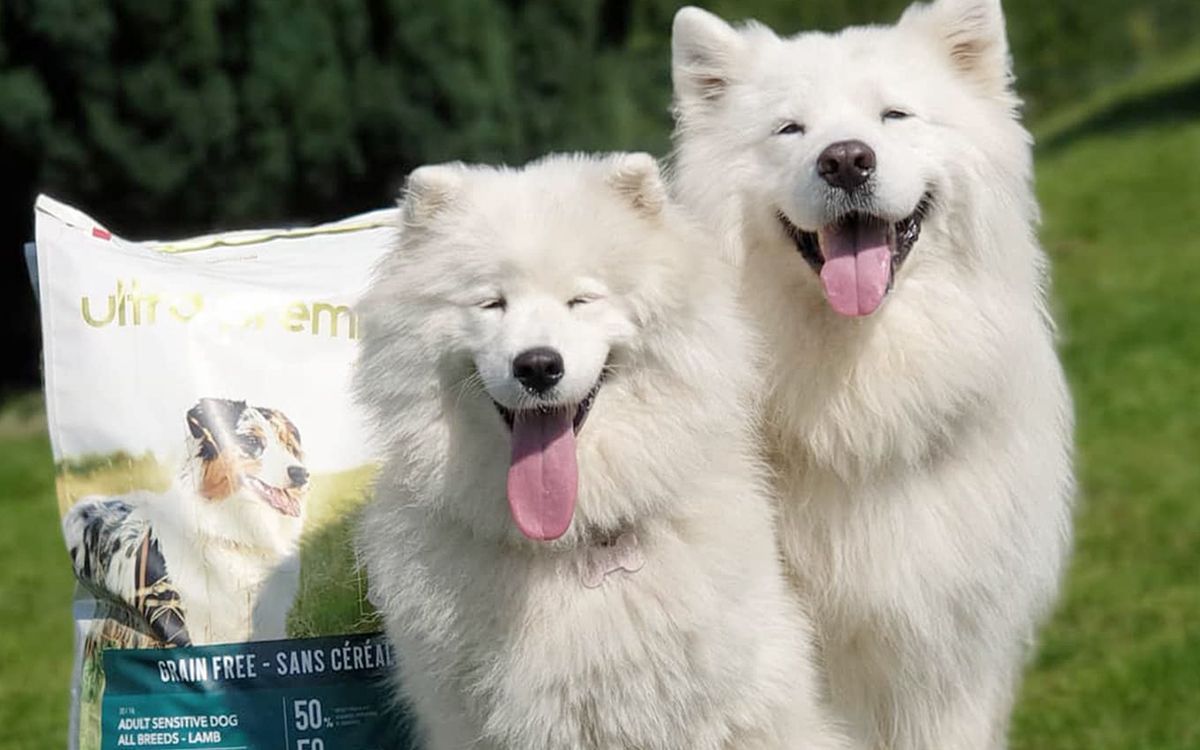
528 303
840 148
247 449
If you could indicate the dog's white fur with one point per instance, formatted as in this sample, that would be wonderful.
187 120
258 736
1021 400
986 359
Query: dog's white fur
923 454
501 641
235 564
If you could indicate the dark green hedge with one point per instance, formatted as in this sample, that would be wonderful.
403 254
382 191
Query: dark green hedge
172 116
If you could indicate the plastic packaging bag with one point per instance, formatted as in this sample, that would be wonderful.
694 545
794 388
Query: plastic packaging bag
209 464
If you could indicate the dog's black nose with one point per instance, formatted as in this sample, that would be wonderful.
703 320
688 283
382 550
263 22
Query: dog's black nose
539 369
846 164
298 475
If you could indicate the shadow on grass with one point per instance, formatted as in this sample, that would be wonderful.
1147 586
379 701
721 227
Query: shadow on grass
1179 102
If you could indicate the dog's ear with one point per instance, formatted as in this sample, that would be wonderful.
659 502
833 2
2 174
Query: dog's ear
704 49
288 433
210 420
637 178
429 190
973 36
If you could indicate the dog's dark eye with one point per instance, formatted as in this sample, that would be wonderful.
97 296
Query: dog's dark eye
495 303
252 444
896 114
790 128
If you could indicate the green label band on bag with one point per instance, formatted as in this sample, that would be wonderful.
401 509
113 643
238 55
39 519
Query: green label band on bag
309 694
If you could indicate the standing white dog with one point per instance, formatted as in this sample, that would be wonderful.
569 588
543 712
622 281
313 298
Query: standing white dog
875 186
570 542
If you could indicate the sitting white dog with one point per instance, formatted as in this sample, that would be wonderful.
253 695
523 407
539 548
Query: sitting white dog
875 187
570 542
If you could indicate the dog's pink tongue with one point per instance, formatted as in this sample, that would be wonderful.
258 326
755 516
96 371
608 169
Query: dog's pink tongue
543 479
858 266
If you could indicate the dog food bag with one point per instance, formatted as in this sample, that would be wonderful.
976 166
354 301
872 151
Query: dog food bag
210 462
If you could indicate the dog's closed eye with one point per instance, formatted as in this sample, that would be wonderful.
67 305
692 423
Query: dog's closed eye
582 299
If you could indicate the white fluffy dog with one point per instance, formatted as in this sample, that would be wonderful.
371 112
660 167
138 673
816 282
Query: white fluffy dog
570 542
874 185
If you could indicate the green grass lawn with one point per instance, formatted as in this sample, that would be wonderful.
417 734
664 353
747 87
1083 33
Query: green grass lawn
1119 667
35 598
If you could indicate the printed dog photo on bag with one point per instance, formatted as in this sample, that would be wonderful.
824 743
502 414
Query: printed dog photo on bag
214 559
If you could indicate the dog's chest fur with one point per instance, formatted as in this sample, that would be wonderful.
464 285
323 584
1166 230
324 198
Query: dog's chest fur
926 534
529 655
222 576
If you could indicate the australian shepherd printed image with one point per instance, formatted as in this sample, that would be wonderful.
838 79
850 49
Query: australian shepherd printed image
214 558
